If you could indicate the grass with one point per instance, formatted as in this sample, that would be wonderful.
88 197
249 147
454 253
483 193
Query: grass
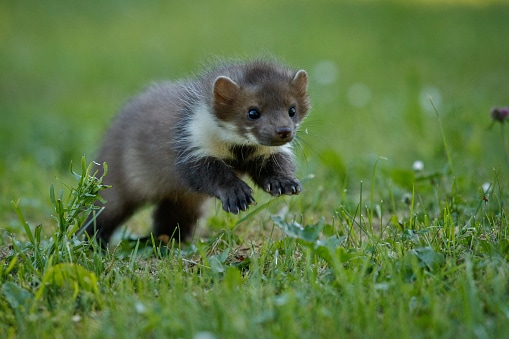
371 248
425 275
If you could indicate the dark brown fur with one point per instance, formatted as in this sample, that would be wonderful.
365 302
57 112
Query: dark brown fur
177 144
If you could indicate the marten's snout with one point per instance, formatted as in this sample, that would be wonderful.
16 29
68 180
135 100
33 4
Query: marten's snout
284 132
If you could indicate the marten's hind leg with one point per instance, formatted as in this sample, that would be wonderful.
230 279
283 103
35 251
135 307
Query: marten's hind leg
177 218
107 220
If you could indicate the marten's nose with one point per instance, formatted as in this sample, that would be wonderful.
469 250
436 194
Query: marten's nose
283 132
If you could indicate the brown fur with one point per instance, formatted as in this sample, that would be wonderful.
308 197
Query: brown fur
176 144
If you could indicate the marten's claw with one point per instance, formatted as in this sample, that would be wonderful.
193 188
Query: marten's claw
278 186
236 198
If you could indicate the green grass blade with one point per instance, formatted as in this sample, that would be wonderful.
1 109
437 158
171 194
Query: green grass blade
26 227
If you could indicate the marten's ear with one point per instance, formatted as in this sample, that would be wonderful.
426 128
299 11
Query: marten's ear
300 82
225 90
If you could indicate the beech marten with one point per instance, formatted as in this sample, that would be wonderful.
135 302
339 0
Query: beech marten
178 143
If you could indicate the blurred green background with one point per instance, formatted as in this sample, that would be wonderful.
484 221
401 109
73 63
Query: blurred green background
67 66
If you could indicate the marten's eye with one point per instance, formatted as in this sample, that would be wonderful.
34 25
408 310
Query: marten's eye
292 111
253 114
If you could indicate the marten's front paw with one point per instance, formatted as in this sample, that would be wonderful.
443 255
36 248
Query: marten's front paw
236 198
280 185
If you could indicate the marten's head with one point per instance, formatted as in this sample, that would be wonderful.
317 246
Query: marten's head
261 103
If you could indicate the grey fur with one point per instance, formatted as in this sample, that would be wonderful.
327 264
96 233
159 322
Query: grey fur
152 157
